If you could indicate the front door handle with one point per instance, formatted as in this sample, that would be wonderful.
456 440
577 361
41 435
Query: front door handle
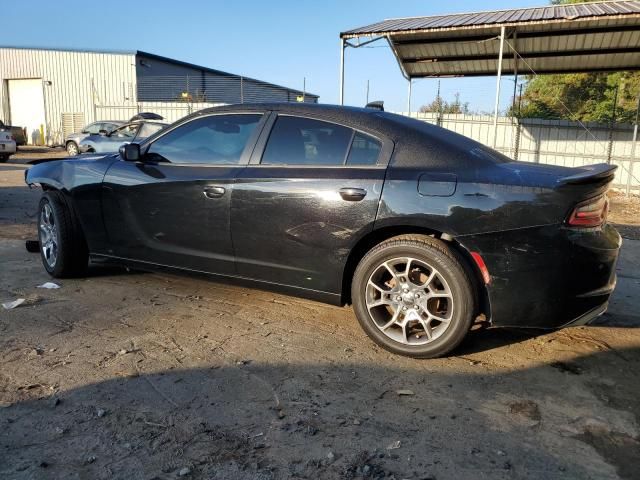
214 192
353 194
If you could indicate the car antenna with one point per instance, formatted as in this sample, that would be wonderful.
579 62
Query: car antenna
377 105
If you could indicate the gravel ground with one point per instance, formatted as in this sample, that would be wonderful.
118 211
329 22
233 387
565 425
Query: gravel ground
148 376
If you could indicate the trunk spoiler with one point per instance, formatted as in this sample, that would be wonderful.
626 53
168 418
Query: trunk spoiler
590 174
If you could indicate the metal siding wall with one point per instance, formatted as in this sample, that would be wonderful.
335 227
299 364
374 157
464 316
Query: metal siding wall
70 74
171 111
556 142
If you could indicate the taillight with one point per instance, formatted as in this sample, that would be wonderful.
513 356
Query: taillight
591 213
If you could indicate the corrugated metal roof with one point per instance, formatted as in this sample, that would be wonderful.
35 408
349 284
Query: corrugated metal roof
499 17
602 36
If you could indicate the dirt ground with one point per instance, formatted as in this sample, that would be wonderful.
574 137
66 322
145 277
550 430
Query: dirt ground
147 376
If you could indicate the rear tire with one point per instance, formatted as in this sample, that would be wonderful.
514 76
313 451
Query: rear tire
63 248
4 158
413 296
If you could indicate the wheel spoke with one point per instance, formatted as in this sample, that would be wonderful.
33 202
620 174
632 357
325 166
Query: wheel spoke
427 329
440 295
438 318
405 333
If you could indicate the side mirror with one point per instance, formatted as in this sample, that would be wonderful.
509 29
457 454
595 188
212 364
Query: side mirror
103 133
130 152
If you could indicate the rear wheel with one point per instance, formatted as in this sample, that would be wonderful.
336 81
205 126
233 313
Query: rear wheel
72 149
62 245
413 296
3 157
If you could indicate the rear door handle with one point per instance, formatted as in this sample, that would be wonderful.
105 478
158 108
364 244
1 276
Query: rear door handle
353 194
214 192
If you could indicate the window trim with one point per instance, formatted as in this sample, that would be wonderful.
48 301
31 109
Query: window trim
386 149
244 156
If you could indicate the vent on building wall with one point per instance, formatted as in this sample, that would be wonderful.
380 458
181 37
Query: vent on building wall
72 122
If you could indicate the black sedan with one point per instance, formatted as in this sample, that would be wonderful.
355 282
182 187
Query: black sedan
421 229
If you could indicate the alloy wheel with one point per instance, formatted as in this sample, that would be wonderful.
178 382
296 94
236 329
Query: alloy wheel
48 235
72 149
409 301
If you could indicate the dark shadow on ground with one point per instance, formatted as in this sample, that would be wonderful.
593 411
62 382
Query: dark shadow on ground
328 421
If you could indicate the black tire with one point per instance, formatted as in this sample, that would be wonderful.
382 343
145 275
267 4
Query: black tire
3 158
72 257
449 266
72 149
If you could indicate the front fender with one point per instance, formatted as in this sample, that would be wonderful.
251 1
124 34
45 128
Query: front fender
48 173
80 179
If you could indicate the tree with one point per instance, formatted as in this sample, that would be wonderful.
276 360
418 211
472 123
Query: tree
442 106
582 96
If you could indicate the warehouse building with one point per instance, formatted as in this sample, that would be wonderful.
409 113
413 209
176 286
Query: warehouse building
52 92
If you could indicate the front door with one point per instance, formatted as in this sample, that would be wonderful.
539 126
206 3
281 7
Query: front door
172 207
302 203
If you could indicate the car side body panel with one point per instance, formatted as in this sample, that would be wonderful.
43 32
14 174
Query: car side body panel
291 231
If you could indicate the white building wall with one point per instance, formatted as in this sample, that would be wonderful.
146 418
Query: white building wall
73 82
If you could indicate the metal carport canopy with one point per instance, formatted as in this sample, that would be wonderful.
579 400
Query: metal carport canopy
573 38
588 37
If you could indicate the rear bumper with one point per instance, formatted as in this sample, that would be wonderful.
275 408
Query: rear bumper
587 318
7 148
548 277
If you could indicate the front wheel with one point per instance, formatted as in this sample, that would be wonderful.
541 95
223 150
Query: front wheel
72 149
62 245
413 296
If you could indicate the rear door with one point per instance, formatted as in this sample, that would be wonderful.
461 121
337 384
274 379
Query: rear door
172 207
311 190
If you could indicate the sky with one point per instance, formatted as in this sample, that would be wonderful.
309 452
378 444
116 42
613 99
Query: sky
281 42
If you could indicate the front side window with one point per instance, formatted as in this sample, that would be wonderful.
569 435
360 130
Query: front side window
216 139
303 141
126 131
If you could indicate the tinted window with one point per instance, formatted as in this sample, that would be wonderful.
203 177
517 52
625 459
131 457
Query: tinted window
364 150
217 139
302 141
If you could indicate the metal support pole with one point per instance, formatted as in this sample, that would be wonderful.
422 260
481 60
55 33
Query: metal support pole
633 149
497 104
342 47
409 99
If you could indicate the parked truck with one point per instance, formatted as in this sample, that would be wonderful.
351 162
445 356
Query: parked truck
17 133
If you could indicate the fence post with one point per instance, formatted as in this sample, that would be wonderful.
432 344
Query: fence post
516 147
632 158
612 125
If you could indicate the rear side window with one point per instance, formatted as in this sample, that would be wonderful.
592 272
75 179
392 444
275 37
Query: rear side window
303 141
217 140
365 150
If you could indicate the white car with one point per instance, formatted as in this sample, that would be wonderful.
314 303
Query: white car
7 145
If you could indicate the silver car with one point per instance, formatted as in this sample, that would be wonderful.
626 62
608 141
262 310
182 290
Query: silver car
72 141
129 132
